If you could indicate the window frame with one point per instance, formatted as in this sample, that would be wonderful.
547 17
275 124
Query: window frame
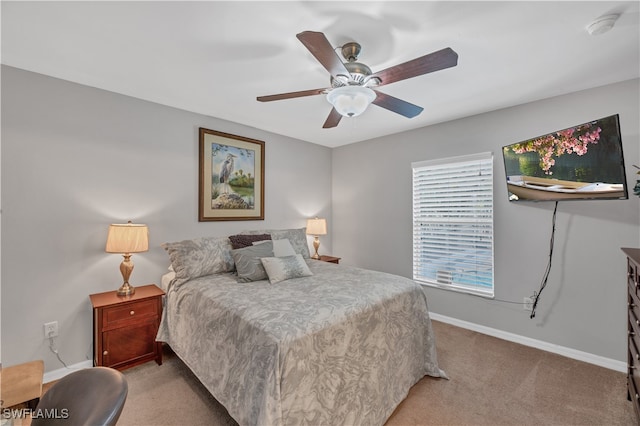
463 227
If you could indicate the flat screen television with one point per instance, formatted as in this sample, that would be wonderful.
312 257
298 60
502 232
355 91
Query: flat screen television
582 162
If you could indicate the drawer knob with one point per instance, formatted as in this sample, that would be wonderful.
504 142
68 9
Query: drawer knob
637 396
632 305
133 312
631 367
631 333
105 353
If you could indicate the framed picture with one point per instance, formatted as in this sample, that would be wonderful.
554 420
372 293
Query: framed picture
231 183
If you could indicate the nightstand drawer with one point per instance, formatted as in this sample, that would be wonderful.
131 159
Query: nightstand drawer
133 311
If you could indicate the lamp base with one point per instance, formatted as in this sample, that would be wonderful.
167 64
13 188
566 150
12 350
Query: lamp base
316 246
126 290
125 269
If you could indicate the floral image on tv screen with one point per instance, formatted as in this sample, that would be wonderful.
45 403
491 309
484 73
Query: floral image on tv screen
580 162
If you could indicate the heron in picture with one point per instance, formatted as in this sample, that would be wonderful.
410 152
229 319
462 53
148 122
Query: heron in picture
225 172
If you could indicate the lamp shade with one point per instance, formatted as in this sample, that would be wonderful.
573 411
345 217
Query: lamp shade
351 101
316 226
127 238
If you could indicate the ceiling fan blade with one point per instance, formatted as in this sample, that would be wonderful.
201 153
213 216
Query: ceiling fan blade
396 105
290 95
322 50
332 120
445 58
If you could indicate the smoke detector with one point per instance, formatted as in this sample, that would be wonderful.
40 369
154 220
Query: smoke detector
602 24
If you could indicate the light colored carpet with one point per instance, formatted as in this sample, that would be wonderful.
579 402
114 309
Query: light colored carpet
495 382
169 394
492 382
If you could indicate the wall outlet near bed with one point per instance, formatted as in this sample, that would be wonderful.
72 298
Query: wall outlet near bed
51 329
527 303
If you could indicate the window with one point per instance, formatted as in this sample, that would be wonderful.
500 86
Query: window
453 223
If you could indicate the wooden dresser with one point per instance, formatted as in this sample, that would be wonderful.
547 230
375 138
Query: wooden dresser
633 327
125 328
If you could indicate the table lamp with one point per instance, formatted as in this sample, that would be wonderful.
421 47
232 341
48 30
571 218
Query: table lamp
316 227
126 239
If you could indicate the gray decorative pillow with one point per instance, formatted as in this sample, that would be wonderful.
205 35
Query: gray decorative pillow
248 263
297 238
284 268
244 240
199 257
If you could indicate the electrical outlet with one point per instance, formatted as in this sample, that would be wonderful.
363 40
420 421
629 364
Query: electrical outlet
51 329
528 304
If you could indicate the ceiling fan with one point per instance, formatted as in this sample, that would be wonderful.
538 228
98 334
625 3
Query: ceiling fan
353 84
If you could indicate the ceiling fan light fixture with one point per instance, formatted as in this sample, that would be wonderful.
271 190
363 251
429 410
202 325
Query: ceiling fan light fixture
351 101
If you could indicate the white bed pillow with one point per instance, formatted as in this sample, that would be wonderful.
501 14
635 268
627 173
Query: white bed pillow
165 280
284 268
283 248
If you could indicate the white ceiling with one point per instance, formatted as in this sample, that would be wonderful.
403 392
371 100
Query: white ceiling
214 57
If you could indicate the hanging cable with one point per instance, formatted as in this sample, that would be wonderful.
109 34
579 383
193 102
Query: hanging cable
543 284
53 349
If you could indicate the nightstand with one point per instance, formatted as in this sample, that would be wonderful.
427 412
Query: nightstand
330 259
125 328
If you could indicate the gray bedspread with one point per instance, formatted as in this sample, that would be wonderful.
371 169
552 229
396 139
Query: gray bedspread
341 347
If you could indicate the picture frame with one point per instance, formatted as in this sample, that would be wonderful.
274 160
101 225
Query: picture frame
231 177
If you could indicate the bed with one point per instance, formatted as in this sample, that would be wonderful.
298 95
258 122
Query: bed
338 346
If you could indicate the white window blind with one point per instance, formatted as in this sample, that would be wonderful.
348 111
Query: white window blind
453 223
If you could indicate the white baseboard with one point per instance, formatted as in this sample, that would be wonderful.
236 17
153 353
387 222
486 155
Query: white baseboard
601 361
50 376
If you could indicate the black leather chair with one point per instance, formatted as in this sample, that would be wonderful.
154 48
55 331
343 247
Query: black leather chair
93 396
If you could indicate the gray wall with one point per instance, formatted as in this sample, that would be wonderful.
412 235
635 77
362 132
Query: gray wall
74 160
583 305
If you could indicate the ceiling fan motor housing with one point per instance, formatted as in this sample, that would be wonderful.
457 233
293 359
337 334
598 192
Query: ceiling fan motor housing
350 51
358 73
